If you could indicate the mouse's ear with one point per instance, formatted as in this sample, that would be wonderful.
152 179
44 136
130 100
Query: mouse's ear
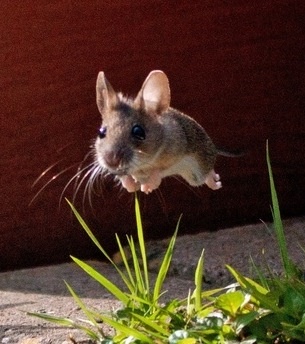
154 95
105 94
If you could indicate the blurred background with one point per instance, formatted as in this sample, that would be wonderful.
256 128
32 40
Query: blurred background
238 69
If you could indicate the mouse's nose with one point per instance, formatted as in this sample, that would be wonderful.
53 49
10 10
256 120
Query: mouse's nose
117 160
112 160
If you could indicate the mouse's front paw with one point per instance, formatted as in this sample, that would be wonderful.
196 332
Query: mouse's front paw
129 183
212 180
152 183
147 188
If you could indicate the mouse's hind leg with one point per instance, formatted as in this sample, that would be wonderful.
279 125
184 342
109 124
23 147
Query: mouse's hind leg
212 180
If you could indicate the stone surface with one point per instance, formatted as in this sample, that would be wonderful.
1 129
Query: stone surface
238 69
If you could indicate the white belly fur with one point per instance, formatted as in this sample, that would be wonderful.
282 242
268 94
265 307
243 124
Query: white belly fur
188 168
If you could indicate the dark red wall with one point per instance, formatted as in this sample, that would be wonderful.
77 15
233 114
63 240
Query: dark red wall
238 69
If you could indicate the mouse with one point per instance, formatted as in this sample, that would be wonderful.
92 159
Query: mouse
143 140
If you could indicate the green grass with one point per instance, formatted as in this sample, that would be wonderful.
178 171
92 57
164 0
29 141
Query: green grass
268 309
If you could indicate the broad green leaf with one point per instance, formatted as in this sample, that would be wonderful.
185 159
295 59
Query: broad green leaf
293 301
255 290
295 331
231 302
188 341
243 320
205 312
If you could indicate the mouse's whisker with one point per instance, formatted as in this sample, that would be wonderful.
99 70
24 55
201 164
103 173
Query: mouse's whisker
80 166
45 172
78 174
75 179
88 185
78 177
50 181
96 172
90 153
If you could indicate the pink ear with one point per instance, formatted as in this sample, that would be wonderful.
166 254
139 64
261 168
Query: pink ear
105 95
154 95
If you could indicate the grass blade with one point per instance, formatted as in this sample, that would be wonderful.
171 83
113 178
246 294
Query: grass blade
165 265
95 241
66 323
125 262
160 331
259 274
257 291
83 307
127 330
112 288
198 282
88 231
278 225
141 242
140 285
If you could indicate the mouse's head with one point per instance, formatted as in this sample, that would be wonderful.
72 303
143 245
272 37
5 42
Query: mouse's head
131 133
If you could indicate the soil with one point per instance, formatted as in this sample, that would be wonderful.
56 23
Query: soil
42 289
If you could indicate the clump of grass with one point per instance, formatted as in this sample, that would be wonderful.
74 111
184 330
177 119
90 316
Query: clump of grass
268 310
282 298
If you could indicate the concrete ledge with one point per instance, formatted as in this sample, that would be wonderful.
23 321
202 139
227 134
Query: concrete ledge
42 288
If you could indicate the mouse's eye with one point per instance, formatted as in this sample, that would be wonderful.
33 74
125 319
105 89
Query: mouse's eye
138 132
102 132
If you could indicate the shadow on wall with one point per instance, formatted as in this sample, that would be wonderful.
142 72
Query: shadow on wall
238 69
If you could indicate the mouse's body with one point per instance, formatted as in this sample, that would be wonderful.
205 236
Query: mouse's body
144 140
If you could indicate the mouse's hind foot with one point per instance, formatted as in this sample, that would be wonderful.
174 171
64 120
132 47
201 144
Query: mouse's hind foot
212 180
